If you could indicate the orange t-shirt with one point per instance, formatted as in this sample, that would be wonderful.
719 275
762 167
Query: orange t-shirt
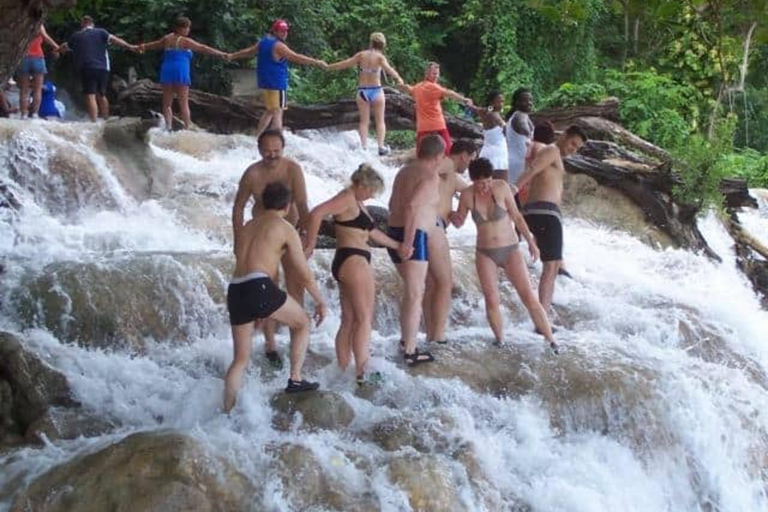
35 48
429 110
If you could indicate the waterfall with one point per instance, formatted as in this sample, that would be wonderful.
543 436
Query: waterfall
115 267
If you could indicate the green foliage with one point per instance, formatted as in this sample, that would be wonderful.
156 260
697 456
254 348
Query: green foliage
702 164
568 95
401 139
748 164
655 106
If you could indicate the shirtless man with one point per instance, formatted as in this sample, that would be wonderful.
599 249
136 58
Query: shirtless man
437 298
252 295
542 210
273 167
413 210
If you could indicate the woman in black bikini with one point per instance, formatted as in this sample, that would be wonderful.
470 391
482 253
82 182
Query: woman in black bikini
351 265
492 206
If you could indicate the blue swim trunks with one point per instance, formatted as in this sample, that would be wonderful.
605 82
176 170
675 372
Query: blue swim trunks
369 94
419 245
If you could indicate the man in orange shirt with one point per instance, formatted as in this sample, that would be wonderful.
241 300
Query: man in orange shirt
427 95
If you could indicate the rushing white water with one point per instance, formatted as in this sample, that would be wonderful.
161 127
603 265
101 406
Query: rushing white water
658 402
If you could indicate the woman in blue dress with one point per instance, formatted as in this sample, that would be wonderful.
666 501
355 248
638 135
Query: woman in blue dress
174 71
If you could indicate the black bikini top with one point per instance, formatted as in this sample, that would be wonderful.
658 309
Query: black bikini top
362 221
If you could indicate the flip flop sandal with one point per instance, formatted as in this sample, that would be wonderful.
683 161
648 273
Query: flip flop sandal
418 357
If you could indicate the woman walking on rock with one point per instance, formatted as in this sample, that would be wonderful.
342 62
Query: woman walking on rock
370 96
174 71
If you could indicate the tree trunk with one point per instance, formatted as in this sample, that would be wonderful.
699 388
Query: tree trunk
18 24
220 114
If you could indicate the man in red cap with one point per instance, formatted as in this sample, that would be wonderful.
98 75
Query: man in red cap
272 72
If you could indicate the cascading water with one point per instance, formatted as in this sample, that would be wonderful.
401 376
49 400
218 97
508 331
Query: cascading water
657 403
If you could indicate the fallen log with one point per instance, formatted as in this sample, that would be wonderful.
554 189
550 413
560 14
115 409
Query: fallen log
648 185
221 114
562 117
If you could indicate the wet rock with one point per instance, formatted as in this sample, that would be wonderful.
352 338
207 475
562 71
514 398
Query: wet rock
427 482
120 303
584 198
150 471
422 434
127 151
308 486
61 423
29 386
319 410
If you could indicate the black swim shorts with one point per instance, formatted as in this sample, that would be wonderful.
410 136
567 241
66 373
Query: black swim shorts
544 221
252 297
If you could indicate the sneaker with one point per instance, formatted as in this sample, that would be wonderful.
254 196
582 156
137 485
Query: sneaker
274 359
384 150
299 386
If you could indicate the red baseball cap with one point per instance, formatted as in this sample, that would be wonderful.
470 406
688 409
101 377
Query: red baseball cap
280 26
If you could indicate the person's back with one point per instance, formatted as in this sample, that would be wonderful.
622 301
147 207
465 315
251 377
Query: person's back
271 73
407 180
90 48
48 106
370 68
263 244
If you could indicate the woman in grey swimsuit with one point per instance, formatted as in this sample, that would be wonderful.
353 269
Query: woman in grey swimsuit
370 95
492 207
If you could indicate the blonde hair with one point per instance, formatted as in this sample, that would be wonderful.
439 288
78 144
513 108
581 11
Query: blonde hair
378 41
368 177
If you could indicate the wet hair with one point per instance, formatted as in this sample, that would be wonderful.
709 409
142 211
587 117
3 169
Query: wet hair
276 196
431 64
271 133
491 97
576 131
463 146
86 20
430 146
378 41
183 22
480 168
519 94
366 176
544 132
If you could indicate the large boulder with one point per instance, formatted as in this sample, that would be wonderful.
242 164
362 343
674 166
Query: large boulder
28 388
121 303
145 472
308 485
319 410
427 482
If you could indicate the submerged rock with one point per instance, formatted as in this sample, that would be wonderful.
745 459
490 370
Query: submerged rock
319 410
28 388
428 483
308 486
120 303
149 471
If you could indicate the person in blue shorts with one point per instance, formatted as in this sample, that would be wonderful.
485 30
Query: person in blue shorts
370 96
174 71
413 211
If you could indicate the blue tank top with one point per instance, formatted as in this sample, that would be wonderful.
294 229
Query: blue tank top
271 73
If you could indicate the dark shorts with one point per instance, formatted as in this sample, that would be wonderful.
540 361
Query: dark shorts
94 81
253 297
420 252
446 136
342 253
544 221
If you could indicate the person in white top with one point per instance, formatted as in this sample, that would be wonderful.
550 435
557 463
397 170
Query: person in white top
494 144
519 132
